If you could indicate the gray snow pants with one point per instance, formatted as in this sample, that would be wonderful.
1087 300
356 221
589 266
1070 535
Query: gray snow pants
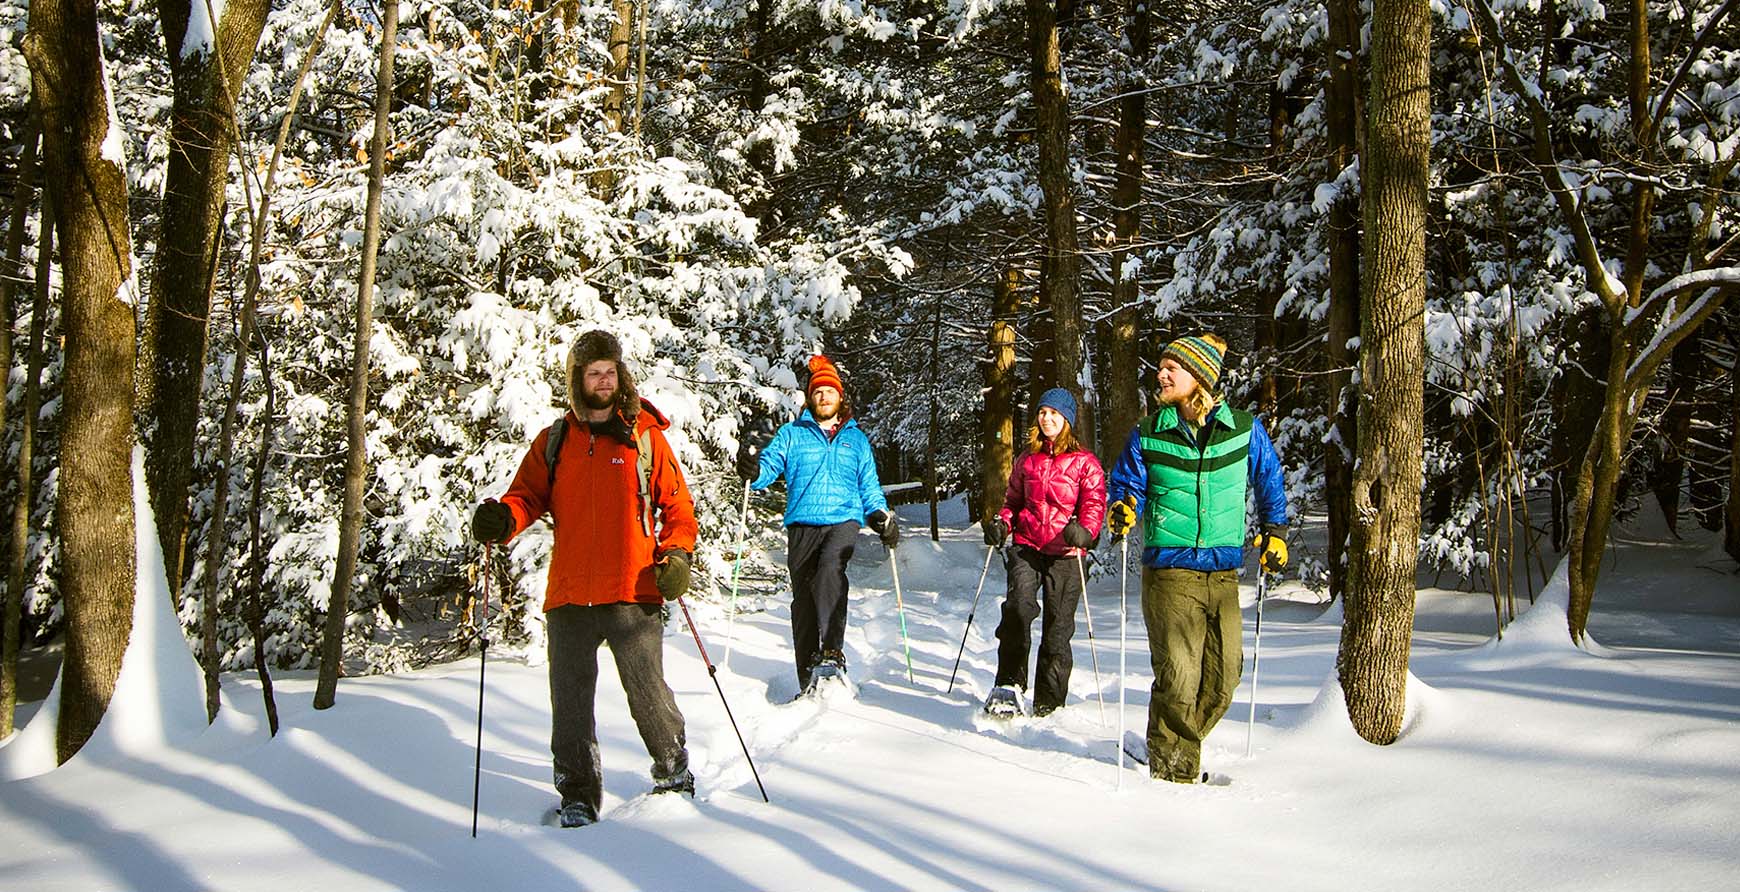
635 634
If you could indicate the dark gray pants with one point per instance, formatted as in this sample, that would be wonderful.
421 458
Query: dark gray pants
635 634
1031 573
817 557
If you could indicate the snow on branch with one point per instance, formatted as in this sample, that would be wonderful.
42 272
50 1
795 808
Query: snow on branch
1603 283
1717 285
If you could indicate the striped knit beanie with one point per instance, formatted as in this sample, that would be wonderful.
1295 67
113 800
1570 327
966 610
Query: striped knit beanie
823 374
1202 355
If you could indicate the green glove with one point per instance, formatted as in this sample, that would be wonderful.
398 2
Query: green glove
671 574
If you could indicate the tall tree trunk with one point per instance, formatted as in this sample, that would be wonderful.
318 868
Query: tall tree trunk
1343 317
1379 610
1731 535
1061 280
356 465
13 635
83 177
930 475
218 541
1685 371
12 266
201 135
1122 386
997 445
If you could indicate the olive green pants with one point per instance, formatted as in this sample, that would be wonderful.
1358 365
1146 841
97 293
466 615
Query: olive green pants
1195 641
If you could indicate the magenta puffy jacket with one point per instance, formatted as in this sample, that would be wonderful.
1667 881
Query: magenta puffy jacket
1045 491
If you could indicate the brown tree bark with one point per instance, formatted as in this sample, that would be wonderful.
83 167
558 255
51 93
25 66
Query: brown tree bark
356 465
201 136
1342 323
84 180
12 638
997 444
1122 384
1379 610
1060 283
219 538
1731 535
12 266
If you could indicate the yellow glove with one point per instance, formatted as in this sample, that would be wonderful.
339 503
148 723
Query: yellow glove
1121 516
1274 551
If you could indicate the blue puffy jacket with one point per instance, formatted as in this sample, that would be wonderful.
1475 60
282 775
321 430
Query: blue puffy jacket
827 481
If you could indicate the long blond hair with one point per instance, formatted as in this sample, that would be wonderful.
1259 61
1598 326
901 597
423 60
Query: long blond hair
1063 442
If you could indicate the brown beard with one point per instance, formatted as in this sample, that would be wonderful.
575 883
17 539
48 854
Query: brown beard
595 402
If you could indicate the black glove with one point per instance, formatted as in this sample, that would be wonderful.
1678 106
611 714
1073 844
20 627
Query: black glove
1077 536
492 522
884 525
671 574
996 532
751 440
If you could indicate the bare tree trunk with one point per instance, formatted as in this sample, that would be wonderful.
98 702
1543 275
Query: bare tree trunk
1344 312
219 538
356 466
621 33
1379 610
13 636
1731 536
256 610
1686 370
930 475
1060 283
997 445
12 267
83 178
1122 387
201 135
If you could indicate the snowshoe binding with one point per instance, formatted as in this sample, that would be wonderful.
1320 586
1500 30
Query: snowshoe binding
829 670
1004 702
575 814
682 783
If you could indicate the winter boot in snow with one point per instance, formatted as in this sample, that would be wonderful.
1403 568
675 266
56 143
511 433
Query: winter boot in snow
577 814
682 782
1004 702
830 665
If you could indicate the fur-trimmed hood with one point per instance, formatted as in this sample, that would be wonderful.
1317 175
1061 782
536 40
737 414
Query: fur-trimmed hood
589 348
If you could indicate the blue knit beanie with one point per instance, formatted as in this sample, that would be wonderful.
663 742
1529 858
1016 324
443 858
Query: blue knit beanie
1059 400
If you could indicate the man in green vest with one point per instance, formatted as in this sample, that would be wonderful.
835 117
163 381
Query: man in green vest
1185 473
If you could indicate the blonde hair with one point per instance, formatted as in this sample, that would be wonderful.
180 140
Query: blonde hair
1064 441
1199 403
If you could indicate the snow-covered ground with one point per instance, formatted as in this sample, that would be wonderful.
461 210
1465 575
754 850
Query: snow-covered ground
1525 764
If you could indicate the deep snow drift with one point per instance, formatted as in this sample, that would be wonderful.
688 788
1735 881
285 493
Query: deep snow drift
1526 764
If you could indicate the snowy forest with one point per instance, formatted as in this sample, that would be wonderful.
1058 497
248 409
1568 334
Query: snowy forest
320 262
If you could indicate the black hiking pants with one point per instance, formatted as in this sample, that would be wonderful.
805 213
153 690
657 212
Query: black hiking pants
817 557
1058 578
635 634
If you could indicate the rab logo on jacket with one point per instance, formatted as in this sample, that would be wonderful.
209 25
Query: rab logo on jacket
618 461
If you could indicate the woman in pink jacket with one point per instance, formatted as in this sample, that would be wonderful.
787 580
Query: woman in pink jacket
1054 506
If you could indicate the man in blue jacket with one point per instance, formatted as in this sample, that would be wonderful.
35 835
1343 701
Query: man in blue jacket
830 489
1185 473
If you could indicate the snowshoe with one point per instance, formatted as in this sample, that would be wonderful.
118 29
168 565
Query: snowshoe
1136 747
574 814
1004 702
830 669
682 783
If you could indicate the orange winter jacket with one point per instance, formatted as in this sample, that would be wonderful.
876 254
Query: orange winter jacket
603 554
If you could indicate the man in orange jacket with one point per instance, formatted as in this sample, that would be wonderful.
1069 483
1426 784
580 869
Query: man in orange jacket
625 533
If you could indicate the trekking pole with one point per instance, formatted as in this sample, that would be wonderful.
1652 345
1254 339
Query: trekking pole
982 574
1123 623
1257 652
900 606
713 673
736 565
1099 692
483 659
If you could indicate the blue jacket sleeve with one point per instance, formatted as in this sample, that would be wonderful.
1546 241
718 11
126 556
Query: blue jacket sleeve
1129 476
1266 480
773 458
869 484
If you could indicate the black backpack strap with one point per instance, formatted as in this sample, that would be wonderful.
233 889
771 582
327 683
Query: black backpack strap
553 446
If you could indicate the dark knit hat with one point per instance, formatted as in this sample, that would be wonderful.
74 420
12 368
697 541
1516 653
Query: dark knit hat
1201 355
591 347
823 374
1060 401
